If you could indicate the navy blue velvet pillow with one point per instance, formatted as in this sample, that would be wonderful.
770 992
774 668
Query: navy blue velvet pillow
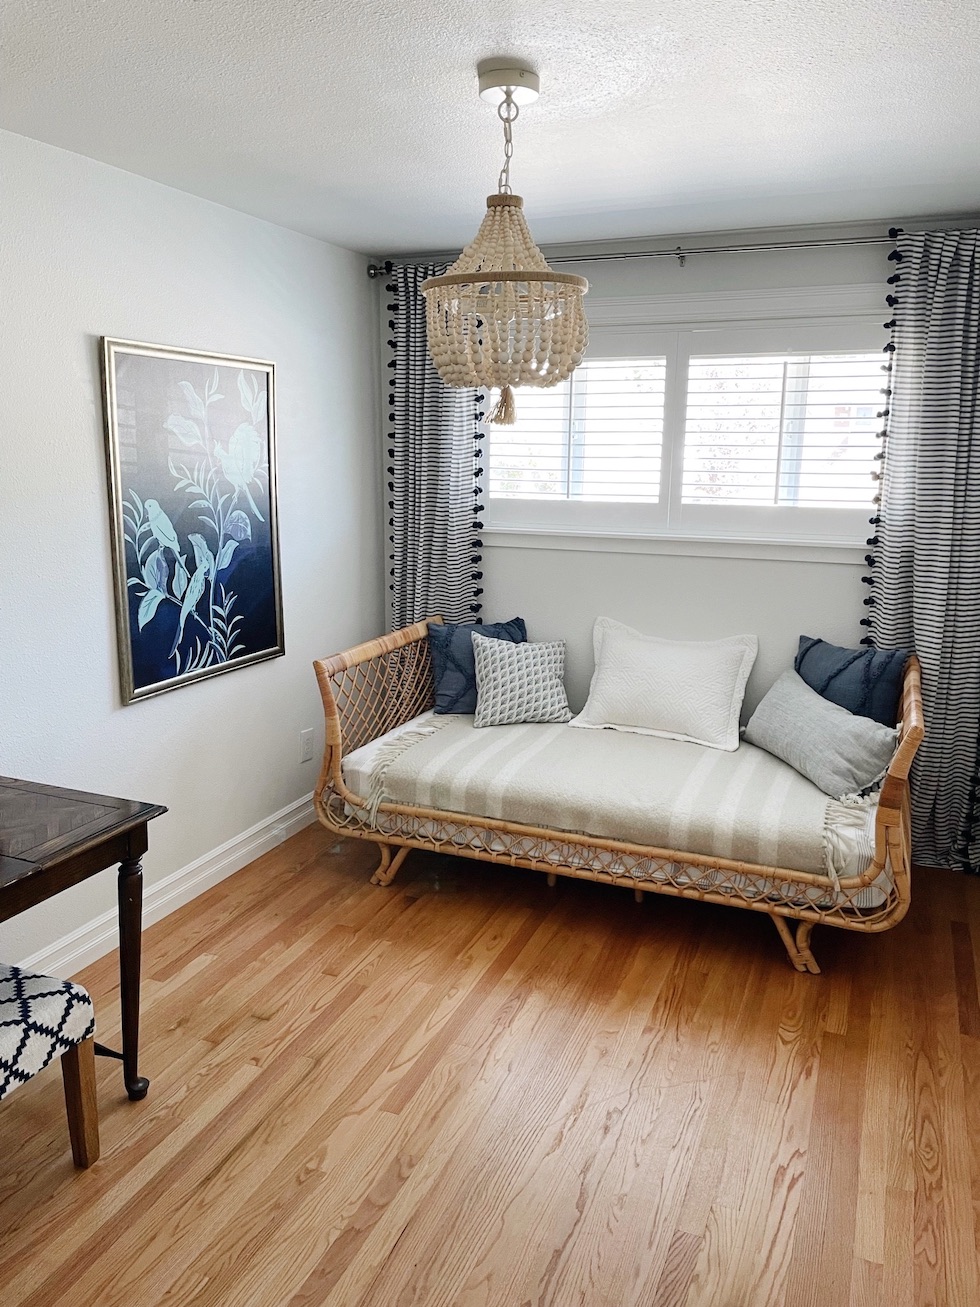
867 682
453 666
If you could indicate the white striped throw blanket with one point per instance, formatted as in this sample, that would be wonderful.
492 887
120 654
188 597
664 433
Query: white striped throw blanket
746 805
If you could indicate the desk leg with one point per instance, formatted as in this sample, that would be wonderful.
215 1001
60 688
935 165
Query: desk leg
130 928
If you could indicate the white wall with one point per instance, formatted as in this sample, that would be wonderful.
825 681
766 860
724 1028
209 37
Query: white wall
87 250
560 592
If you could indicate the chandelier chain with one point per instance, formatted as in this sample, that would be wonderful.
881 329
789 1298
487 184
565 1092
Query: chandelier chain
507 111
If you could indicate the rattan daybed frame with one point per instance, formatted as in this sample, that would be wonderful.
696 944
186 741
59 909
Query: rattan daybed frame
387 682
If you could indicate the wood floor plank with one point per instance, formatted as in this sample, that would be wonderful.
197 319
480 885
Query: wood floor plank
866 1286
719 1250
966 979
470 1090
675 1279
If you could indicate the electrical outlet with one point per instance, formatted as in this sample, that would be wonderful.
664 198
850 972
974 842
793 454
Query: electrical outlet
306 745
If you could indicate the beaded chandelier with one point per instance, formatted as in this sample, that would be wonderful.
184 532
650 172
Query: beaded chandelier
500 317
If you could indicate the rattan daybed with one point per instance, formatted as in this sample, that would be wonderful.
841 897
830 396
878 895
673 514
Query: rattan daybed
383 685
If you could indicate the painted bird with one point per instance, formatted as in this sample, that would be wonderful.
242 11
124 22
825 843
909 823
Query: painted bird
195 587
162 528
164 533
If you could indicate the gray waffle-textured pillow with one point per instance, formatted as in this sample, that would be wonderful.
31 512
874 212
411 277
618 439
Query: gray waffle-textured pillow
519 682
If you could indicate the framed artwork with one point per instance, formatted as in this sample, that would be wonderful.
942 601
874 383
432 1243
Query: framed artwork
191 454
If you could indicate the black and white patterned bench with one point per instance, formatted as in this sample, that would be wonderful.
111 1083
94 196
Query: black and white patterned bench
42 1018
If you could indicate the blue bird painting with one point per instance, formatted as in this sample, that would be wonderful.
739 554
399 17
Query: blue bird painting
201 557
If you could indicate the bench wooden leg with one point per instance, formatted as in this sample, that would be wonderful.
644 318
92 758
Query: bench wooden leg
388 867
803 933
78 1073
798 948
552 880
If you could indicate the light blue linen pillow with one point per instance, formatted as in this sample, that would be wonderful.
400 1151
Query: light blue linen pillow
842 753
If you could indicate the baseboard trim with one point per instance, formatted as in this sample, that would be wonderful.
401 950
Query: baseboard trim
93 940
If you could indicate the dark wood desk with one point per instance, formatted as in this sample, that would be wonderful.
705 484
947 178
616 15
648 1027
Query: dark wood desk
52 838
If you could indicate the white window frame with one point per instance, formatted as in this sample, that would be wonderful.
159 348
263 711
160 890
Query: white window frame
588 515
825 320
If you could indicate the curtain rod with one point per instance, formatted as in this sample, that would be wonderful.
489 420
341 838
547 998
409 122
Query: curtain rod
679 253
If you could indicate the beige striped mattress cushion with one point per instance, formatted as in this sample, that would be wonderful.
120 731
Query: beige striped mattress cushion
745 805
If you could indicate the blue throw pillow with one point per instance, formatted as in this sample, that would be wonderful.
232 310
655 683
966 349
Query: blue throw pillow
453 665
864 681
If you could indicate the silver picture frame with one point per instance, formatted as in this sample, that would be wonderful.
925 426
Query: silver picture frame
190 439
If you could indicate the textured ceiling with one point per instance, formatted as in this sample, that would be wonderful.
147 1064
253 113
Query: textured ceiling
358 120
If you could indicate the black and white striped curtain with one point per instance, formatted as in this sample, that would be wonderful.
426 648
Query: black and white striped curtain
434 471
925 579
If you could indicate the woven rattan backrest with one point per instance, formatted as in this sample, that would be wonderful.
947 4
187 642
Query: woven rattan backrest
370 690
386 691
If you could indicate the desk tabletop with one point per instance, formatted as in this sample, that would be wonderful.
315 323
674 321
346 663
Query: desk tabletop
42 825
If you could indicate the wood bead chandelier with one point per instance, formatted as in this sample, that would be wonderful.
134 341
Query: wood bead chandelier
500 317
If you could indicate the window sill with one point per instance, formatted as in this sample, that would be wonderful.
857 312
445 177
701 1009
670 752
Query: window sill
608 542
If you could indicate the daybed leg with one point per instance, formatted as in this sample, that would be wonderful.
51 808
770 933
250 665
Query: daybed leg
803 932
388 867
383 865
552 880
786 935
638 895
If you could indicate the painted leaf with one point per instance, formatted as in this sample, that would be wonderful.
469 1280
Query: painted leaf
224 558
211 395
179 582
259 407
238 525
194 401
186 430
148 606
246 391
156 571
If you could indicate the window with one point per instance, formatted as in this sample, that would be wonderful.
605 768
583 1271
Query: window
596 436
736 432
775 430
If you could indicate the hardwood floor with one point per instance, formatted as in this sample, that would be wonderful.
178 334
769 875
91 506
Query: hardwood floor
475 1090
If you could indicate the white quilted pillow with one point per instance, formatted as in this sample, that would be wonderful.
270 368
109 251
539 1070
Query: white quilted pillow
682 689
519 682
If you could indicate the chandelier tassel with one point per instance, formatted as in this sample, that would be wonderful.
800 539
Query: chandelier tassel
504 412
